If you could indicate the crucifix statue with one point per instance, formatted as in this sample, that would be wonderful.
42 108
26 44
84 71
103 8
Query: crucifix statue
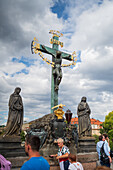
56 63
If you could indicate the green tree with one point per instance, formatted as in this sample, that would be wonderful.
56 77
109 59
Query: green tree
22 134
108 127
96 138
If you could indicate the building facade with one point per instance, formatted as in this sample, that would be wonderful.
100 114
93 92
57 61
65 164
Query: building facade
96 125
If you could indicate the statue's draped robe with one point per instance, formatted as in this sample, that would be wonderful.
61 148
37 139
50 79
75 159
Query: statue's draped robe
83 113
15 115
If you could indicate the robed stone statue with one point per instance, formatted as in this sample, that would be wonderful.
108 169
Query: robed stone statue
15 115
83 112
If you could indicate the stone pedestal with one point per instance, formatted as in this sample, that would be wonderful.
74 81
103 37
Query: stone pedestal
11 146
86 144
11 149
88 160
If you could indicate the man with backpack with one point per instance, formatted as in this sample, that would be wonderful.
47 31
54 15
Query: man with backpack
103 152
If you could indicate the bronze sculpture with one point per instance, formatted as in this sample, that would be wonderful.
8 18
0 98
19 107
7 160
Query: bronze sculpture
57 71
56 63
15 115
83 112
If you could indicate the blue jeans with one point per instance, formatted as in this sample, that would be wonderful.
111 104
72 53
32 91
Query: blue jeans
66 164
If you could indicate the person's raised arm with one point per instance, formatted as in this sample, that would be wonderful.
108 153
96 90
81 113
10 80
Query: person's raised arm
63 156
53 155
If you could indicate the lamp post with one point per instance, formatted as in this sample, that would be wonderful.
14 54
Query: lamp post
68 116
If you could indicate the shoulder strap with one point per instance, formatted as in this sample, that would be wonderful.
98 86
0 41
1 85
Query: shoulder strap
103 145
102 151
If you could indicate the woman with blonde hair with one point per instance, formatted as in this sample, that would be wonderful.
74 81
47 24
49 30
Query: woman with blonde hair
62 155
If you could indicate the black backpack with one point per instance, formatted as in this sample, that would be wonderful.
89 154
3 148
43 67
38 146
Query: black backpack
103 157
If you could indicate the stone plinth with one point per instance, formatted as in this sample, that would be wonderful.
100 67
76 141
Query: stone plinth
10 146
87 154
88 160
11 149
86 144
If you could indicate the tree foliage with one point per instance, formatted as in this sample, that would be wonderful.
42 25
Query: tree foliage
108 127
96 138
22 134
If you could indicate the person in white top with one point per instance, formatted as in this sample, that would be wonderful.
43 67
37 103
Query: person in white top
74 164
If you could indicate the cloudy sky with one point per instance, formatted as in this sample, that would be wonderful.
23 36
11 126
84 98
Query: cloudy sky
87 26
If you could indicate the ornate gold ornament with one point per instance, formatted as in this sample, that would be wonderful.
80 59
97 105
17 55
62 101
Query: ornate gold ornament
60 106
36 51
36 46
59 112
53 41
56 33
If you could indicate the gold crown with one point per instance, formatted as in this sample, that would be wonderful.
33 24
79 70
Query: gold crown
59 112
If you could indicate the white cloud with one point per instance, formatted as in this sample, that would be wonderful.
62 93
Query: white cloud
93 27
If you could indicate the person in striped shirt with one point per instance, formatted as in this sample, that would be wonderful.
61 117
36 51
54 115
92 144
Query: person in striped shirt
62 155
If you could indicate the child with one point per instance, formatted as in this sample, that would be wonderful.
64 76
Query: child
74 165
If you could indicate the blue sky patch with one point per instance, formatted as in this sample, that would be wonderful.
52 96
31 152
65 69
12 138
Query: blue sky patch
59 8
25 71
6 73
78 56
26 61
3 114
100 2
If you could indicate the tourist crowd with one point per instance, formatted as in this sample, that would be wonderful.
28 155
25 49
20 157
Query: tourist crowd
67 161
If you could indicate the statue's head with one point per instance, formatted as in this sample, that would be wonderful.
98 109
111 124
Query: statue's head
17 90
83 99
58 54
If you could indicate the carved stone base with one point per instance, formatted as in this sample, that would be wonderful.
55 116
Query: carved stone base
86 144
88 160
10 146
11 149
